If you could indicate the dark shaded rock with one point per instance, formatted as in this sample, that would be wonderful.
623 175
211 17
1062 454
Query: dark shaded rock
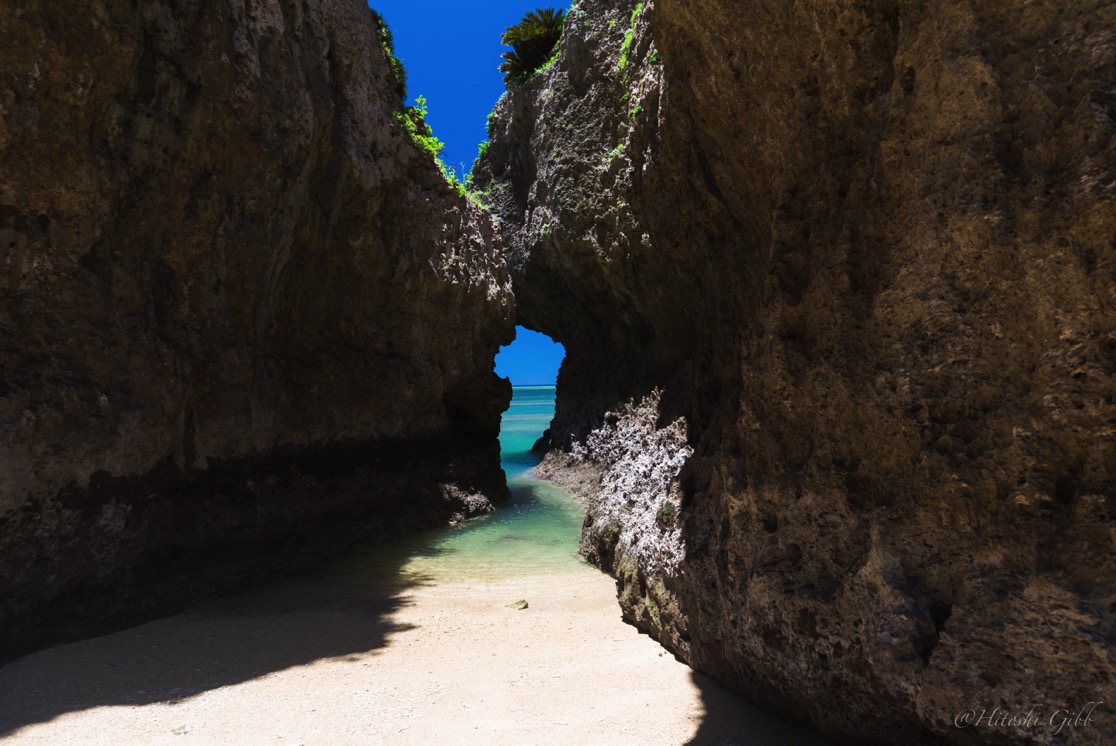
244 322
835 281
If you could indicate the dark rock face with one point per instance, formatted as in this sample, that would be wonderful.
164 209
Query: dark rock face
244 322
836 283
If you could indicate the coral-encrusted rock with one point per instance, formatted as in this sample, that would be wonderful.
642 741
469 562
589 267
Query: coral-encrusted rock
865 252
243 320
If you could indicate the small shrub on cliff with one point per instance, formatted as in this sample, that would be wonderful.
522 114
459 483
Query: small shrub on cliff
414 121
532 40
387 41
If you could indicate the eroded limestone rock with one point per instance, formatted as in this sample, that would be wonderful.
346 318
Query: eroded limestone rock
244 322
865 252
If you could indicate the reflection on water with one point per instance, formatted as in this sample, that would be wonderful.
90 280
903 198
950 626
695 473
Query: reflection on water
536 532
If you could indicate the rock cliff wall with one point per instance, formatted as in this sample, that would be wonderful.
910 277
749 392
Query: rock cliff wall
244 321
837 286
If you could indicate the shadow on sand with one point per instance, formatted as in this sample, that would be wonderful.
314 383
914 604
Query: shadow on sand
341 611
731 721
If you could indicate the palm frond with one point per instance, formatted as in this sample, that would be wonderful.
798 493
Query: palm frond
532 41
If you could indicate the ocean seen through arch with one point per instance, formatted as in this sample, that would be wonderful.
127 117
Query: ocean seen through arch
536 531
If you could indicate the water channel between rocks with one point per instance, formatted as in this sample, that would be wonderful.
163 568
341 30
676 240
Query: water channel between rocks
534 533
411 642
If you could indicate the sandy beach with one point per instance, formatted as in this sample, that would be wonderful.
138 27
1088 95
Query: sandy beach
321 660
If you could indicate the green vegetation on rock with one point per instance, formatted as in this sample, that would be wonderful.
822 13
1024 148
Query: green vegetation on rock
667 516
413 118
626 47
387 41
613 154
414 122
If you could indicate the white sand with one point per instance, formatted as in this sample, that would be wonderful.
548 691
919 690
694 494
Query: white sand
313 662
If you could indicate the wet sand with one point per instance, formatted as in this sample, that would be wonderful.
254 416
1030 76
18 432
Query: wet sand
332 659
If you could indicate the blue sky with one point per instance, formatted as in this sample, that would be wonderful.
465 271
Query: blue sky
452 54
452 51
531 360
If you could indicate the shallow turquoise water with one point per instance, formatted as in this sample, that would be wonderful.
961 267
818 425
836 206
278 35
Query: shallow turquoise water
535 532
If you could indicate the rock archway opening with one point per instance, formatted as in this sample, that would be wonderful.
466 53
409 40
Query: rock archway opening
532 359
531 362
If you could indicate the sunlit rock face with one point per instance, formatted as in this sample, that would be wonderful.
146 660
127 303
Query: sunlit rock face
852 264
244 321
